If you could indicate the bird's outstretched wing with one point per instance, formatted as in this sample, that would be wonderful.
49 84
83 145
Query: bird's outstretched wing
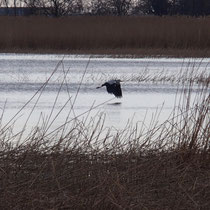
110 88
117 90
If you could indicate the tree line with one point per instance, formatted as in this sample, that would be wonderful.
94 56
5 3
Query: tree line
59 8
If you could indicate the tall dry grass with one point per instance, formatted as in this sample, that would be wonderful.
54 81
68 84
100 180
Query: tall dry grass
150 35
163 167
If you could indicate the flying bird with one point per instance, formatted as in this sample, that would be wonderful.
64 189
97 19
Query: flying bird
113 87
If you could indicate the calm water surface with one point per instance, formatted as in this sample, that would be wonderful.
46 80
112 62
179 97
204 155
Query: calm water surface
22 75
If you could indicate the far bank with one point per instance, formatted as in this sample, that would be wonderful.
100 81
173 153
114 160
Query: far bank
124 36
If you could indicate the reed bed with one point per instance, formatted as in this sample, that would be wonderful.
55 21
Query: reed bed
165 166
172 36
186 75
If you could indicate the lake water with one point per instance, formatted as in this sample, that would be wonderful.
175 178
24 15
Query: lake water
150 87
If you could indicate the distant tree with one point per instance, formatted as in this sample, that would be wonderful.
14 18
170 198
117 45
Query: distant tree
156 7
110 7
151 7
194 7
206 7
4 3
76 7
137 8
173 7
56 8
120 7
59 8
100 7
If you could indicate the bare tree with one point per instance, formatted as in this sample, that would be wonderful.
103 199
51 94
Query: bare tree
56 8
120 7
137 8
111 7
75 7
100 7
155 7
4 3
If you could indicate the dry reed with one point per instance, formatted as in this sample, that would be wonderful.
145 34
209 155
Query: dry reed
173 36
165 167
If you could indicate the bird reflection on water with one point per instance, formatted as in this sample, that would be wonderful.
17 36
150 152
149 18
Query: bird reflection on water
114 104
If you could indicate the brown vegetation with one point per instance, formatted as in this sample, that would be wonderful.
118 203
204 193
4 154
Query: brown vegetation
165 167
173 36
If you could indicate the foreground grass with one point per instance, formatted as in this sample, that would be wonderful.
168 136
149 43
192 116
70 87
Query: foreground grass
176 179
165 167
139 36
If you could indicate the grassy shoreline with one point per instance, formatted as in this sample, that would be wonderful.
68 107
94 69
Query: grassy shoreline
124 53
135 36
